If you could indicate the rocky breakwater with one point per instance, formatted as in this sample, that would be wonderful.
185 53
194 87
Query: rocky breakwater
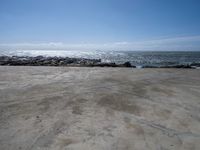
57 61
183 66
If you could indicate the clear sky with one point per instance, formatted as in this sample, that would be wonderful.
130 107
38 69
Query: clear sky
100 24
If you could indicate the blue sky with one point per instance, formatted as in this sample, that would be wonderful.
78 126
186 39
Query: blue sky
100 24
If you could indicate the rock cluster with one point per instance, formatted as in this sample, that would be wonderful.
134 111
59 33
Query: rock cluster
56 61
80 62
186 66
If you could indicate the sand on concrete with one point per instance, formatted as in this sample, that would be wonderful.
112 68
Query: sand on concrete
58 108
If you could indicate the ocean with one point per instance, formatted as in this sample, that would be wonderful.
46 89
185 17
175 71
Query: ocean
137 58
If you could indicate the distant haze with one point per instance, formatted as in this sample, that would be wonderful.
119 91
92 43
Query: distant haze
172 25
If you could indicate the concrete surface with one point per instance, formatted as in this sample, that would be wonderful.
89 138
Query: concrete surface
55 108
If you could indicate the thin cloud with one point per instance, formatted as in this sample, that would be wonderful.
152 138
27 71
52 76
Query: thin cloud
174 43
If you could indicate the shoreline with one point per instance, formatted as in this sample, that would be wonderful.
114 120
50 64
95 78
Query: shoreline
79 62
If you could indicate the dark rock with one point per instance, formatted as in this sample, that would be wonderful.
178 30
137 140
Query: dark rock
178 66
38 57
169 66
127 64
149 66
104 65
195 64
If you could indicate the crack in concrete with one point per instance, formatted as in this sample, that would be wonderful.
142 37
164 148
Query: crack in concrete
168 131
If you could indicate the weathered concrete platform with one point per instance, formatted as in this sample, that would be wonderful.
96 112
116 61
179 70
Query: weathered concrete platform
59 108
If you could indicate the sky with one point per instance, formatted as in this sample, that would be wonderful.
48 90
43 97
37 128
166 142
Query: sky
100 24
